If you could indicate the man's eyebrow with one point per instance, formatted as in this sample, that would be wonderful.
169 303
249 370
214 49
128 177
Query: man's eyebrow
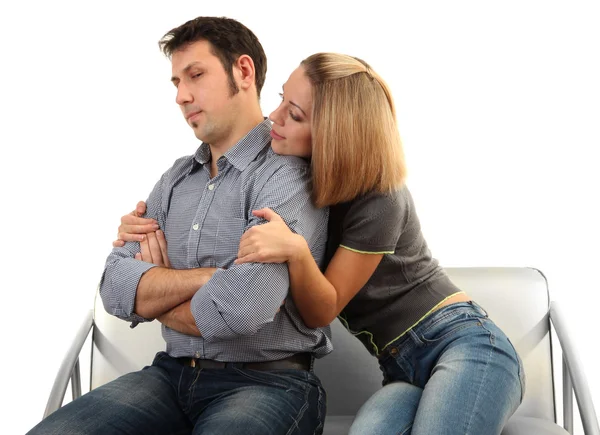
186 69
294 104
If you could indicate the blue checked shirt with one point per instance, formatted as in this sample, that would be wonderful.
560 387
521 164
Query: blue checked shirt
203 220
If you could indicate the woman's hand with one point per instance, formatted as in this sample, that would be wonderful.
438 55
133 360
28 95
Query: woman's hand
135 228
154 249
272 242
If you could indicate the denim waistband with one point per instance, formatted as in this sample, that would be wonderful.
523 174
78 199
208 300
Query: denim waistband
435 316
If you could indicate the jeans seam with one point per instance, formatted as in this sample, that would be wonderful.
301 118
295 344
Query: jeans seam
300 414
521 377
521 370
321 417
179 390
192 389
483 378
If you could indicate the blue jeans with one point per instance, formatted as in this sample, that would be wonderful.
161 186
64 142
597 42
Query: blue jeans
456 372
170 398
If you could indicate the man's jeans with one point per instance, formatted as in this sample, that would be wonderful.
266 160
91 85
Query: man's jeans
456 372
170 398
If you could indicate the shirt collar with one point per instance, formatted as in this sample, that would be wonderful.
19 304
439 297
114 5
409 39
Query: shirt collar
243 152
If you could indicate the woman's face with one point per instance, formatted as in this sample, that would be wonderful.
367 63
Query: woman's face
291 120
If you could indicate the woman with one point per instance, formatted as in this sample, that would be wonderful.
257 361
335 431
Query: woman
448 369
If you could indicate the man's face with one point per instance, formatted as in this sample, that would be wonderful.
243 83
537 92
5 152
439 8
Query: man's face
203 91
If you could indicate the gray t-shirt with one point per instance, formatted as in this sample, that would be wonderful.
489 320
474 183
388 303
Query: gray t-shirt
408 282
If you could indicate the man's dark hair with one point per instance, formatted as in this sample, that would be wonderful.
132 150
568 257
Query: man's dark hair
228 38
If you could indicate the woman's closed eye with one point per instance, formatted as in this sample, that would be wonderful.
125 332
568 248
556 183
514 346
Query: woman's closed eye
294 117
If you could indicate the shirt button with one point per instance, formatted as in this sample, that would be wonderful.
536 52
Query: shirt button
211 186
393 351
195 227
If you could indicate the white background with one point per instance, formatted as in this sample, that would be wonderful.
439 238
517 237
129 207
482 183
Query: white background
499 109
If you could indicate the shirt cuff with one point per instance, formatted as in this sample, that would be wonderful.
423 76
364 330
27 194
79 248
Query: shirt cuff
125 280
207 313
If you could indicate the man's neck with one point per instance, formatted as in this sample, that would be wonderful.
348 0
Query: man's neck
219 148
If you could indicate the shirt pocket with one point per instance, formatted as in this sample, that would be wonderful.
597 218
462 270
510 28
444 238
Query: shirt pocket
227 241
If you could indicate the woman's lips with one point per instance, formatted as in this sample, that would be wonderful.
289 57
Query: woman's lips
276 136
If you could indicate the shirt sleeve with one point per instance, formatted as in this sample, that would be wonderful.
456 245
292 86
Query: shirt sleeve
122 272
374 222
243 298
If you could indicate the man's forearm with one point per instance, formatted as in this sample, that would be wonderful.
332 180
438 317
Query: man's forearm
181 320
161 289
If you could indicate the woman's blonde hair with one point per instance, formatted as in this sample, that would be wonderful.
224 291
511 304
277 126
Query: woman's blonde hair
356 145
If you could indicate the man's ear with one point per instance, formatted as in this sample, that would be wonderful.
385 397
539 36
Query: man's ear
244 72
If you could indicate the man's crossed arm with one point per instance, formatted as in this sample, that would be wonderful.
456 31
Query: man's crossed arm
153 247
165 293
162 292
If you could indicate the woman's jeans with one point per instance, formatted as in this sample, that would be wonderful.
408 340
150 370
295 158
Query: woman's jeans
456 372
170 398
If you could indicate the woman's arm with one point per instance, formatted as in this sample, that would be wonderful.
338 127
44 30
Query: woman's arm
319 297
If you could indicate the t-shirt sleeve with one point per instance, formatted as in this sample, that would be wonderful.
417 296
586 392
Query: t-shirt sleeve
374 222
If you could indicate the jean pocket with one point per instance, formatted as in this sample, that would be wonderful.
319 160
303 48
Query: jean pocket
281 380
448 325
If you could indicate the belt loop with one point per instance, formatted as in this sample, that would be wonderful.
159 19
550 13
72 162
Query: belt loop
479 308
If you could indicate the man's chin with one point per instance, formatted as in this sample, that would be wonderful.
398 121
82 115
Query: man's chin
197 131
199 136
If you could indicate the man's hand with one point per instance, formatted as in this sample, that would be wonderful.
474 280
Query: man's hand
135 228
154 249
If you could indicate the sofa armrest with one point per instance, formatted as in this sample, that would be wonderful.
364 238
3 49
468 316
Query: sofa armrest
69 368
575 372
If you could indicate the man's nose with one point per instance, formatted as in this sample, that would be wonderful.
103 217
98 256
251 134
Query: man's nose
184 96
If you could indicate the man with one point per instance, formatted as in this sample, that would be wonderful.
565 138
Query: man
237 360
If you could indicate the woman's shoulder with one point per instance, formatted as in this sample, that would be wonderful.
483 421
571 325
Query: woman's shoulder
382 202
372 222
388 208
